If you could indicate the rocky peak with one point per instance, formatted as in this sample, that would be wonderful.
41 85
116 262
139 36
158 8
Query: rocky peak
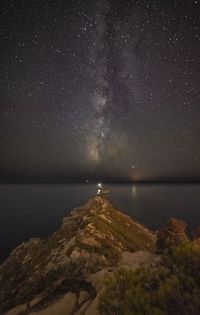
172 234
196 232
92 238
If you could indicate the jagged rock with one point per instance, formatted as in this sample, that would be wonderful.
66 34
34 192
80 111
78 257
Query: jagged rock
173 234
196 236
75 258
196 232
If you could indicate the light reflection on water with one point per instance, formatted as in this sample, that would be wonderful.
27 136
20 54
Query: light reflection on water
134 191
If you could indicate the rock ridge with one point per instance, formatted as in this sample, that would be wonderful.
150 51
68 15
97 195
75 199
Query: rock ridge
70 265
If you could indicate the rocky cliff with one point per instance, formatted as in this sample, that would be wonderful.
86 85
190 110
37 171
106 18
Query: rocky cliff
65 272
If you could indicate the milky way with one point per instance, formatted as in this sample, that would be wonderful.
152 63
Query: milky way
90 89
100 98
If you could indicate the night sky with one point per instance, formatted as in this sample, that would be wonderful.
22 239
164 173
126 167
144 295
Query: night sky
96 90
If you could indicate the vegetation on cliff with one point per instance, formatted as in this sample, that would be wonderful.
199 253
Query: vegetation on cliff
171 287
103 262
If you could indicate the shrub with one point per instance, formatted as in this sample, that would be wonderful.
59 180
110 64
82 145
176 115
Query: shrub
173 288
185 259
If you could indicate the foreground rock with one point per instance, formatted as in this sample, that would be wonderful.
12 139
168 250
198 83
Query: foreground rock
65 273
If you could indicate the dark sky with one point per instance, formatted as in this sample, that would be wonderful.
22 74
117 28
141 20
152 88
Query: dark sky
100 90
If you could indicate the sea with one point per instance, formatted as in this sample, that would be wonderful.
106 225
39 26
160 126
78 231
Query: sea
37 210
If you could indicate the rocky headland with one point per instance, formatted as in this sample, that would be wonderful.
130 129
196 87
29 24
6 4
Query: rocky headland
69 267
66 273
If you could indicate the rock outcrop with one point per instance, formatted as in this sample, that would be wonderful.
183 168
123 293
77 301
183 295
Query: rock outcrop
196 233
173 234
65 272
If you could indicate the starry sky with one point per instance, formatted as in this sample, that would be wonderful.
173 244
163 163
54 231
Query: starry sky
100 90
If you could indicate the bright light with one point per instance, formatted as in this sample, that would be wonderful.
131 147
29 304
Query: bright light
98 192
99 185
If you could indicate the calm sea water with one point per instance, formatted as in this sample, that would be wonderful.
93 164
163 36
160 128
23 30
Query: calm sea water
36 210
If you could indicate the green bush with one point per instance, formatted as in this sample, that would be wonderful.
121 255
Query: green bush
185 258
173 288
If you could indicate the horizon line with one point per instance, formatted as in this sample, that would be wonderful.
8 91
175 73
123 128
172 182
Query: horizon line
93 181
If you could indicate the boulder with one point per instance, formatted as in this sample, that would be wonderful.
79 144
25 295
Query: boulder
196 232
